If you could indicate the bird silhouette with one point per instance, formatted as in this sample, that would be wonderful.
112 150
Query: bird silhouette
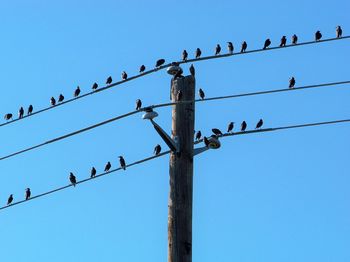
259 124
94 86
283 41
318 36
160 62
122 162
60 98
267 43
52 101
72 179
157 150
339 31
142 68
198 135
206 141
109 80
8 116
138 104
217 131
201 93
243 126
108 166
30 110
230 127
10 199
179 95
77 91
28 193
198 53
184 55
217 49
230 47
20 112
244 46
192 70
124 75
294 39
291 82
93 172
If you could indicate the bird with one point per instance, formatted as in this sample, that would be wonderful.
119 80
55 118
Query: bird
122 162
192 70
230 127
339 31
109 80
8 116
198 135
60 98
318 36
184 55
243 126
217 131
20 112
291 82
77 91
217 49
124 75
244 46
201 93
93 172
206 141
267 43
157 150
72 179
94 86
160 62
52 101
28 193
283 41
142 68
198 53
259 124
178 95
138 104
108 166
230 47
30 110
10 199
294 39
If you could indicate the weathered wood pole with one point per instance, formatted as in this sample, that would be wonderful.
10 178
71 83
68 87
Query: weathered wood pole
181 172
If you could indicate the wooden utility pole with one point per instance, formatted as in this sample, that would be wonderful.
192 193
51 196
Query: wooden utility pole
181 172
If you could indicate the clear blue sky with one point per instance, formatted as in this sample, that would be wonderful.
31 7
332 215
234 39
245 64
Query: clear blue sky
279 196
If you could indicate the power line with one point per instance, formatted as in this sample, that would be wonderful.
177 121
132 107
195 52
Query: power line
85 180
165 105
163 67
167 152
280 128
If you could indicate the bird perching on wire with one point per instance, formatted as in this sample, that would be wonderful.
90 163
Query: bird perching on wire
157 150
138 104
291 82
72 179
122 162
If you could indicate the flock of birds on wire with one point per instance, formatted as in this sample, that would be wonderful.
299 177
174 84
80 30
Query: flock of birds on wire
157 150
160 62
198 135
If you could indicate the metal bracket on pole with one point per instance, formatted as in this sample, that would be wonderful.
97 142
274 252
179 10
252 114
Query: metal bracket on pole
199 150
214 143
173 145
